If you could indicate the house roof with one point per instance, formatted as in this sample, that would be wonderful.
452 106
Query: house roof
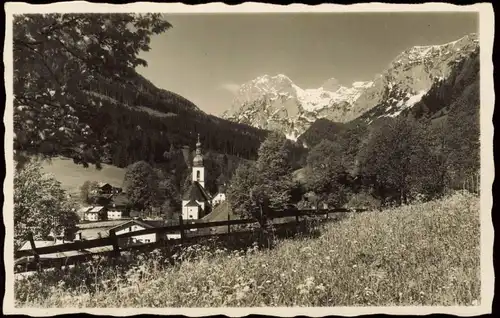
101 224
138 222
27 246
196 192
96 209
94 233
192 203
93 229
84 209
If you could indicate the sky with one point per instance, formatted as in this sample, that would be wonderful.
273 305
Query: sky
206 57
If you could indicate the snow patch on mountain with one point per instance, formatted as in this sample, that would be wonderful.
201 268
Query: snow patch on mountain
276 103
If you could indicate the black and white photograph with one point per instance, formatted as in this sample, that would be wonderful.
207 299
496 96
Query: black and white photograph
215 159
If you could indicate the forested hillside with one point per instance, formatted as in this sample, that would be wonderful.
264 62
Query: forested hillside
82 97
453 102
319 130
141 124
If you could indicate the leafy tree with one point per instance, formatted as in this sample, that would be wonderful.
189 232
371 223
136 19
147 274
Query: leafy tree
397 158
87 191
266 184
326 173
40 205
56 57
170 209
462 130
238 192
141 185
169 198
213 169
274 170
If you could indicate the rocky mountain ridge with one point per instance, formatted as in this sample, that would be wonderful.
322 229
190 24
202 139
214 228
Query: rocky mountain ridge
276 103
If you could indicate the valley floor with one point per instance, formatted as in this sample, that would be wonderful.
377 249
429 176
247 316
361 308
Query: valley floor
423 254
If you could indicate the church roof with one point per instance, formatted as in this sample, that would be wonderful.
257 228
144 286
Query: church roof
192 203
196 192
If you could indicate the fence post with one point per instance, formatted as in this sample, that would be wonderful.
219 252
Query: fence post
114 241
297 222
181 224
478 183
33 248
228 225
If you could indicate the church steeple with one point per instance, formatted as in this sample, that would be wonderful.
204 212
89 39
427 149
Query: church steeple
198 169
198 159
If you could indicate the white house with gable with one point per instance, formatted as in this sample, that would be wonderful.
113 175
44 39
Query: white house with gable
220 196
133 226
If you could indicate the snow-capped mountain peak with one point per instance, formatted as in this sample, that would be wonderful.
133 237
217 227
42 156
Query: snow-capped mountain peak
272 101
275 102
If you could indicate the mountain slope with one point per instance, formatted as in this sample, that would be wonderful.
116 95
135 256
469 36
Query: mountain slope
456 96
276 103
133 120
319 130
426 70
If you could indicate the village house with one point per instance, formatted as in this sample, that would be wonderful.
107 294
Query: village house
104 188
196 201
220 196
133 226
119 207
96 230
96 213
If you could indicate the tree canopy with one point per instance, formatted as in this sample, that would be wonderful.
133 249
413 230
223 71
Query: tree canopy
398 157
141 183
55 57
41 206
326 173
268 181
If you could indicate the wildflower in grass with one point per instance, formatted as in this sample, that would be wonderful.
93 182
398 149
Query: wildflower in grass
302 288
321 287
215 293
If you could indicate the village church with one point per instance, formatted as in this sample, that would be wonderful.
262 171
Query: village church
196 201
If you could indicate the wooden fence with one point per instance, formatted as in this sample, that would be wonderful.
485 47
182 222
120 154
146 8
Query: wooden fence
28 260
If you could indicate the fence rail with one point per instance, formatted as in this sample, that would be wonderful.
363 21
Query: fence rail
114 248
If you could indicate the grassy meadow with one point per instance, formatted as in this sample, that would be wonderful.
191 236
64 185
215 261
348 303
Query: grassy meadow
72 176
420 254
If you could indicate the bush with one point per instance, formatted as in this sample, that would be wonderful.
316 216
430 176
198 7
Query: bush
364 200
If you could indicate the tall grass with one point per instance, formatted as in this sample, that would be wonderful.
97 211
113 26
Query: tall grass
422 254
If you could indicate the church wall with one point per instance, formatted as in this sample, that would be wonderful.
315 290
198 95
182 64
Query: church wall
190 211
193 211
